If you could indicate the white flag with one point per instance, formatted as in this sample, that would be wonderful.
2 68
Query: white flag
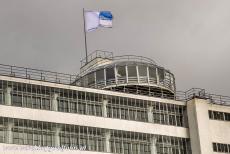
95 19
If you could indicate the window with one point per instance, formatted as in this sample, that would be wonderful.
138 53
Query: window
17 100
152 75
142 70
36 102
100 76
46 103
161 74
132 71
152 72
110 73
18 137
215 115
1 135
73 107
1 98
121 72
63 105
91 79
220 147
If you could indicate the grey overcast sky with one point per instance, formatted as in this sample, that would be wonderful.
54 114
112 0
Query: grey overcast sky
189 37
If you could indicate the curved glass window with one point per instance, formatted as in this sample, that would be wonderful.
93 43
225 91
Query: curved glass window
152 72
167 79
142 70
121 72
132 71
110 73
100 75
91 79
161 74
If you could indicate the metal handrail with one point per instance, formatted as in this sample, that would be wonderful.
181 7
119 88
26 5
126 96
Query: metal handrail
96 54
35 74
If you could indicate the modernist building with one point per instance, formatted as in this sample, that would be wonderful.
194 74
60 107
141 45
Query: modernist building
123 104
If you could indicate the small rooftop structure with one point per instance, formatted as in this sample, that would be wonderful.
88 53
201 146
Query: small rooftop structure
127 73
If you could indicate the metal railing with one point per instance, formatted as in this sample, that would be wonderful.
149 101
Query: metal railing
67 79
97 54
202 94
109 55
34 74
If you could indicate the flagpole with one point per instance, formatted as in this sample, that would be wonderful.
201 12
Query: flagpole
86 51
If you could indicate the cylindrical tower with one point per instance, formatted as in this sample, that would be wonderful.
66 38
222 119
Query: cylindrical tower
129 73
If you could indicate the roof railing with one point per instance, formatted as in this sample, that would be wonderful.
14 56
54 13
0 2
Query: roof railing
35 74
97 54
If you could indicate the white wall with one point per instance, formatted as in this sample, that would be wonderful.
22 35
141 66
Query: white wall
204 131
199 126
219 130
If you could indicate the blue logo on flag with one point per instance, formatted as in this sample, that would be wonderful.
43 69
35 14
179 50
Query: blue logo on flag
105 15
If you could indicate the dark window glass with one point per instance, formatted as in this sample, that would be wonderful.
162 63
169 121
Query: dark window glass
100 75
1 98
210 114
45 103
91 79
161 74
142 70
152 72
17 100
132 71
227 116
121 71
110 73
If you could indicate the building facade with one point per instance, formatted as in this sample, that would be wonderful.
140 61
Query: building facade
126 105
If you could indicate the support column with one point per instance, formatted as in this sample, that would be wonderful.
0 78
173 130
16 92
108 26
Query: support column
157 75
107 142
57 131
54 102
104 109
150 114
9 132
7 96
153 144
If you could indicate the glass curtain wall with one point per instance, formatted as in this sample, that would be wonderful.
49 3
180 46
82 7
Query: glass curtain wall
71 101
39 133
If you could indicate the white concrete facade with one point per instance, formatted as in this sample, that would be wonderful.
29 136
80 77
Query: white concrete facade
202 130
